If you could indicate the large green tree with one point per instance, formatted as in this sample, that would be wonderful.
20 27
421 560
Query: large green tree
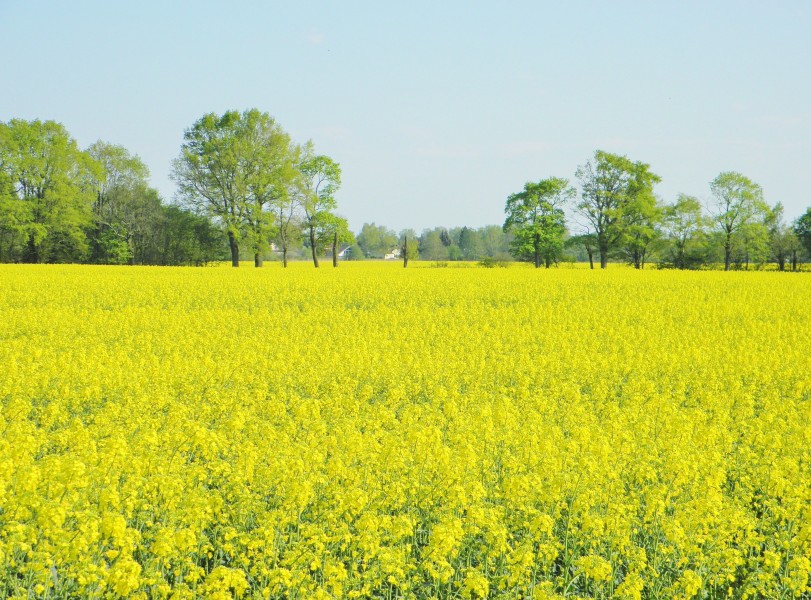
641 231
614 193
738 202
126 209
49 191
536 219
319 181
271 168
684 224
212 172
239 169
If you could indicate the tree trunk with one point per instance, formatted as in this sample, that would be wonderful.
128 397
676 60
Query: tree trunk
234 245
335 250
312 247
727 253
590 252
284 255
603 247
794 260
32 256
257 260
537 253
405 252
781 263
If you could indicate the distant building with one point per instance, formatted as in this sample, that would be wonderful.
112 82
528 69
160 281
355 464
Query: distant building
393 255
344 250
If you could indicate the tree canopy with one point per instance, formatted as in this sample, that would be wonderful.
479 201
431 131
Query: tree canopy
51 190
737 201
617 201
536 219
59 203
320 179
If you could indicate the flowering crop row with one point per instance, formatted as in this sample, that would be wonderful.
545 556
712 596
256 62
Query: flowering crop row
375 432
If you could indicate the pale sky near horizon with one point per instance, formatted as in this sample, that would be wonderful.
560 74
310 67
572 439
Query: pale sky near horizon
436 111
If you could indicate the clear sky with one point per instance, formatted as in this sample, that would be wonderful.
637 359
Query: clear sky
436 111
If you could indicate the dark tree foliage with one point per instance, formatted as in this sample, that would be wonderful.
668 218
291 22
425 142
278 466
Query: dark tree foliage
802 229
185 238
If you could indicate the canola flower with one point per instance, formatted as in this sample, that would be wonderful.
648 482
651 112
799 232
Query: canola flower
374 432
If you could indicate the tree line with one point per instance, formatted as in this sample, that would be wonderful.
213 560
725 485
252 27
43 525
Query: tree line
243 185
59 203
243 172
619 217
245 188
435 244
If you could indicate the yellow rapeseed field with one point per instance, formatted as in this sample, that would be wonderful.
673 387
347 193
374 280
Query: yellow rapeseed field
378 432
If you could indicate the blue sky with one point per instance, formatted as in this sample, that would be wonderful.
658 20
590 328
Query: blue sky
436 111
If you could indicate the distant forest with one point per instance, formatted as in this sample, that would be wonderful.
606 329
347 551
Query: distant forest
245 190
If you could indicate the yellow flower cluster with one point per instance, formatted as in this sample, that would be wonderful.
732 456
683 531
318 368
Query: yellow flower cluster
378 432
